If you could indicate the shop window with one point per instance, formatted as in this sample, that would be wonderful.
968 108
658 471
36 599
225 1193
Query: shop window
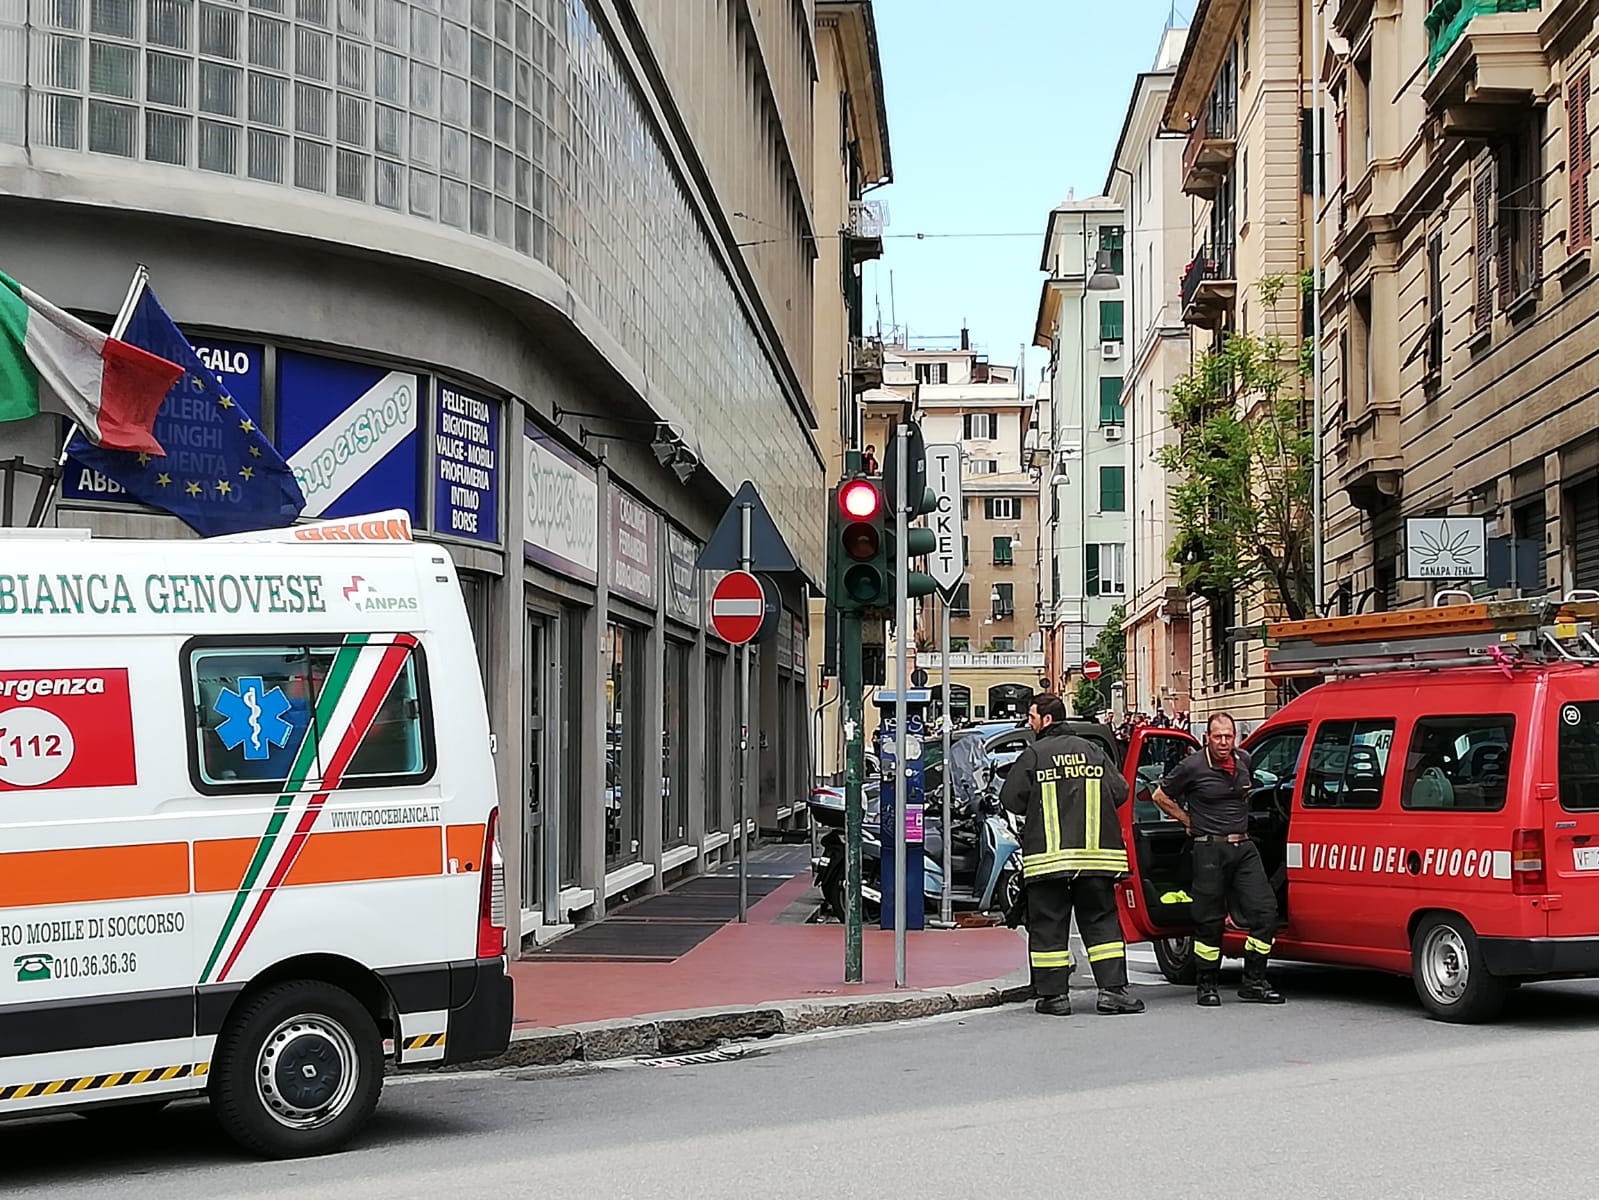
574 653
674 746
262 719
624 731
717 740
1348 761
1459 763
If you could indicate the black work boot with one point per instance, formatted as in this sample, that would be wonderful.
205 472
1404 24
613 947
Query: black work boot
1115 1000
1255 989
1054 1006
1208 996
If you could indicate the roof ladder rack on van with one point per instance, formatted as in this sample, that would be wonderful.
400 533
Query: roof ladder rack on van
1501 633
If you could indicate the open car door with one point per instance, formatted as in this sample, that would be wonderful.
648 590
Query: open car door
1155 899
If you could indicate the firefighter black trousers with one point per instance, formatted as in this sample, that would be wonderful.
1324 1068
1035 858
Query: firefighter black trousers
1230 874
1050 901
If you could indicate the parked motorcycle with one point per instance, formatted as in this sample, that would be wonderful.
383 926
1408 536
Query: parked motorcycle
985 848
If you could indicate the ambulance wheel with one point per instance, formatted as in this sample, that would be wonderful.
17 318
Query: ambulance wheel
297 1071
1175 957
1451 979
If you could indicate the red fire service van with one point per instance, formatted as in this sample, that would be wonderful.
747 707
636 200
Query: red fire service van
1431 808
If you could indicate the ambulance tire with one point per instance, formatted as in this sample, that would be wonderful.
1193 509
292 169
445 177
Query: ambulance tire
288 1033
1175 958
1449 974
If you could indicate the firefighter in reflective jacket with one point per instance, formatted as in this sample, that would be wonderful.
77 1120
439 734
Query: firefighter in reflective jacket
1072 852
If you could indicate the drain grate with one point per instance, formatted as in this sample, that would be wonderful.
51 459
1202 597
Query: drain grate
704 1057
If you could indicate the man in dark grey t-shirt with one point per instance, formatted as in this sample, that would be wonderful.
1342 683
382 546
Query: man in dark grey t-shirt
1209 793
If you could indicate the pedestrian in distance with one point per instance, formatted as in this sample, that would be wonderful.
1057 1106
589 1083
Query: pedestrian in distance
1209 793
1072 853
869 461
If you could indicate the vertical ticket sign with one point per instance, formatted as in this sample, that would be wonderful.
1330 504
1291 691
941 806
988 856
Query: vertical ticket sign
188 426
947 563
67 728
466 464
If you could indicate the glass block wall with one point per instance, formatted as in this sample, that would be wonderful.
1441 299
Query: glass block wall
511 120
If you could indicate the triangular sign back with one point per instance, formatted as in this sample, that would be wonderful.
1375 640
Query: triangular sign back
768 550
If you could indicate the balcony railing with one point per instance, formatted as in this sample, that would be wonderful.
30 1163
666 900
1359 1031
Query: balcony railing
1212 142
993 660
1447 19
1213 264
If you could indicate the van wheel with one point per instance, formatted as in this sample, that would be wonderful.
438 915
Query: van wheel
1175 956
1450 977
297 1071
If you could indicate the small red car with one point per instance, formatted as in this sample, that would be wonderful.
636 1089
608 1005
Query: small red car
1432 809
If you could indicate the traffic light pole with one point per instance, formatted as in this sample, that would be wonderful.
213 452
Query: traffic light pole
850 672
946 905
902 711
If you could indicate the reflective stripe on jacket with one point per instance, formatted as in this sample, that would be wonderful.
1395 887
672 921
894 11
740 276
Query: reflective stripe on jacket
1069 790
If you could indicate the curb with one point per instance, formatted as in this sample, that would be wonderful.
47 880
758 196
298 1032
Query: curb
703 1029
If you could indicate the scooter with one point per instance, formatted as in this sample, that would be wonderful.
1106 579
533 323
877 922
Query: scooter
985 853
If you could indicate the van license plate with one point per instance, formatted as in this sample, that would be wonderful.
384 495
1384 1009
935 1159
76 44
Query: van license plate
1587 857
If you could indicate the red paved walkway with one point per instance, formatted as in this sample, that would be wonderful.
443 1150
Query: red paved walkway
758 963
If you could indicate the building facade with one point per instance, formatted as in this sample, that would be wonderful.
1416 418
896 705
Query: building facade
995 656
1461 306
1082 323
525 208
1240 100
1144 179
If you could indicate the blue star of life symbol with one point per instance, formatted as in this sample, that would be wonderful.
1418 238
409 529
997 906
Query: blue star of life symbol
253 718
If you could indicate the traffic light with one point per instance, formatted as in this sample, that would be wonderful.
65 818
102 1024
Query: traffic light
861 577
922 500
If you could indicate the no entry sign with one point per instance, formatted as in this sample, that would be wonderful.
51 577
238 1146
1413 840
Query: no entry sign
1091 669
738 607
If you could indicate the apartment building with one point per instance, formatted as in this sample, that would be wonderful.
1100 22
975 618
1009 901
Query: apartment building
851 157
962 399
1461 309
1240 100
1082 323
1144 179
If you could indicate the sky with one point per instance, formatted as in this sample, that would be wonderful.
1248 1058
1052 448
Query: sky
994 111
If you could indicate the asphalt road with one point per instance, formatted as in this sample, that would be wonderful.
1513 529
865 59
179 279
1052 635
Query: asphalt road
1348 1091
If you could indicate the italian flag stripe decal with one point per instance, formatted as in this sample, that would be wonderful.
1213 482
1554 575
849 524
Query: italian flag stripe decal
359 680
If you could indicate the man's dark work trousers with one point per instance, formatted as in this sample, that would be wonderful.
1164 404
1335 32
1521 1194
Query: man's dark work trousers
1226 871
1050 900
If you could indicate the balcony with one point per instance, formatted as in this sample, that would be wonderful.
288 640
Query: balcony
1210 286
866 364
993 660
1370 464
866 223
1212 145
1487 62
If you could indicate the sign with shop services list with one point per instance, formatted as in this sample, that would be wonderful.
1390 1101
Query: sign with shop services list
466 464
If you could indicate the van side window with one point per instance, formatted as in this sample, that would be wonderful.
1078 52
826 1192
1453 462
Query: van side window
1579 756
1459 763
1157 755
1348 761
1274 760
266 718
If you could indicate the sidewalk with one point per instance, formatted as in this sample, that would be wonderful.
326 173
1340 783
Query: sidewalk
676 972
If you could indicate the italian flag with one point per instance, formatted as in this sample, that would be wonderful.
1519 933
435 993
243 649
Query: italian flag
51 362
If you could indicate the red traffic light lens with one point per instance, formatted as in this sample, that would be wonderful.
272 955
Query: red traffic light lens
859 500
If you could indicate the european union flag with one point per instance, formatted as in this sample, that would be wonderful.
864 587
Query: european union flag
219 474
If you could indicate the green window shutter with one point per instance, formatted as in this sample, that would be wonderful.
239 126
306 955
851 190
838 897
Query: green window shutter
1110 401
1112 489
1091 570
1002 550
1110 320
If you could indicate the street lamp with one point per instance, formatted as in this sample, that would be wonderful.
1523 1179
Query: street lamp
1103 279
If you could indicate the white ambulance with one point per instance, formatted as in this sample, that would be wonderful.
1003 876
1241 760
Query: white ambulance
248 843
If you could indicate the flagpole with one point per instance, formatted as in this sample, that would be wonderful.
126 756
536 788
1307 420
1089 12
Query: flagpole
49 490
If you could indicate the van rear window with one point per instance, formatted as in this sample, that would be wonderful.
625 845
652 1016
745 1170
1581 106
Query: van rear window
275 717
1579 755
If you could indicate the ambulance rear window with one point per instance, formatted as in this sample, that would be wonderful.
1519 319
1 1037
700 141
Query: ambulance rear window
276 717
1579 755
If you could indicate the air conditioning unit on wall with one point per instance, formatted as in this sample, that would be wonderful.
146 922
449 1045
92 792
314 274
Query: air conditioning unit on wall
1110 350
1113 433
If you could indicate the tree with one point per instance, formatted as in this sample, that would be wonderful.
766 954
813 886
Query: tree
1110 649
1241 468
1087 700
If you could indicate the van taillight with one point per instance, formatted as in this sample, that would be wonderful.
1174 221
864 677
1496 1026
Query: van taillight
1526 862
491 901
